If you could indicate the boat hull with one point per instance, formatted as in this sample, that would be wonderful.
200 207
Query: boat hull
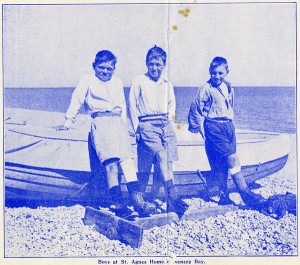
43 164
28 183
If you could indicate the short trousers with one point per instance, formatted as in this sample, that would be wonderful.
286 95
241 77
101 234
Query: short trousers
111 139
220 141
155 136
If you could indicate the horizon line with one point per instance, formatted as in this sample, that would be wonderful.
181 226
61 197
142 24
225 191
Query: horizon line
235 86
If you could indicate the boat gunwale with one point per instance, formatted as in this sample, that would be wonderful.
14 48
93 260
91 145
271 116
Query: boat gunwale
269 137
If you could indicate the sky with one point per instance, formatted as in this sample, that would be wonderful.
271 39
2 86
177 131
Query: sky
55 45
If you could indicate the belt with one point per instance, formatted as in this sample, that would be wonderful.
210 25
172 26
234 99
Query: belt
218 120
104 114
154 117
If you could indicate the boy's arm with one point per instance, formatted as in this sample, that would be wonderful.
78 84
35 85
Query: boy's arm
171 103
122 102
197 114
232 99
77 100
231 94
133 97
195 118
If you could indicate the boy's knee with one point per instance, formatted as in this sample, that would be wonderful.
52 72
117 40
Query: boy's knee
112 168
233 161
128 167
234 165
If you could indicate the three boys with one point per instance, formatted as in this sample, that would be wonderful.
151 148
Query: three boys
152 112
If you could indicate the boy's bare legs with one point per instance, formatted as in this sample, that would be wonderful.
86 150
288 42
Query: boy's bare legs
112 175
165 167
134 189
129 170
174 203
250 198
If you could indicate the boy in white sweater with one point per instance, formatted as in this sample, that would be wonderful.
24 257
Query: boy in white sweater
103 96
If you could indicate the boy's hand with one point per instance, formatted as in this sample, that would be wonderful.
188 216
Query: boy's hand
137 137
131 133
201 130
61 128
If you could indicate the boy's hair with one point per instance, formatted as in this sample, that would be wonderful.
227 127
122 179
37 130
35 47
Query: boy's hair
217 61
156 52
103 57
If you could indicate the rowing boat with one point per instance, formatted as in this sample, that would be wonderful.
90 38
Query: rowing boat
45 164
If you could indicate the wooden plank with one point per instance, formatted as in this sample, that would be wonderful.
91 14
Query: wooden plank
206 212
156 220
114 227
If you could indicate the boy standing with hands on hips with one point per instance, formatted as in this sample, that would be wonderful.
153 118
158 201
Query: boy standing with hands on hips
152 109
103 96
211 114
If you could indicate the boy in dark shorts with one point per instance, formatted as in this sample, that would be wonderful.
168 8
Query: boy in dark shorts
103 96
211 114
152 107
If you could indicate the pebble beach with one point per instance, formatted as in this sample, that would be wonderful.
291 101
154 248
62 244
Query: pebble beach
60 232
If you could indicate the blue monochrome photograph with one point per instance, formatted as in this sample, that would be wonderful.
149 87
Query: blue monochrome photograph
158 133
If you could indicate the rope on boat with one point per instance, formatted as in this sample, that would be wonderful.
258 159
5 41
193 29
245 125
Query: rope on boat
22 147
78 192
22 123
199 174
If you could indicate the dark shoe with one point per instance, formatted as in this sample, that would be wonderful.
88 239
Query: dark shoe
158 203
252 199
121 210
178 206
159 206
225 200
142 207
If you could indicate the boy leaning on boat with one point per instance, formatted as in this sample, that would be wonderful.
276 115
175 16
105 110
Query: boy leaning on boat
103 96
211 114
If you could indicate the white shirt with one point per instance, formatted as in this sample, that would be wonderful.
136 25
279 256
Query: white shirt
97 96
147 97
224 90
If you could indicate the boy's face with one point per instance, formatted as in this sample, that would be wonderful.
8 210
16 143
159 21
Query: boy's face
104 71
155 67
218 75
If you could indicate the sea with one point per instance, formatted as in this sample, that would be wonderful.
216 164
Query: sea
256 108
